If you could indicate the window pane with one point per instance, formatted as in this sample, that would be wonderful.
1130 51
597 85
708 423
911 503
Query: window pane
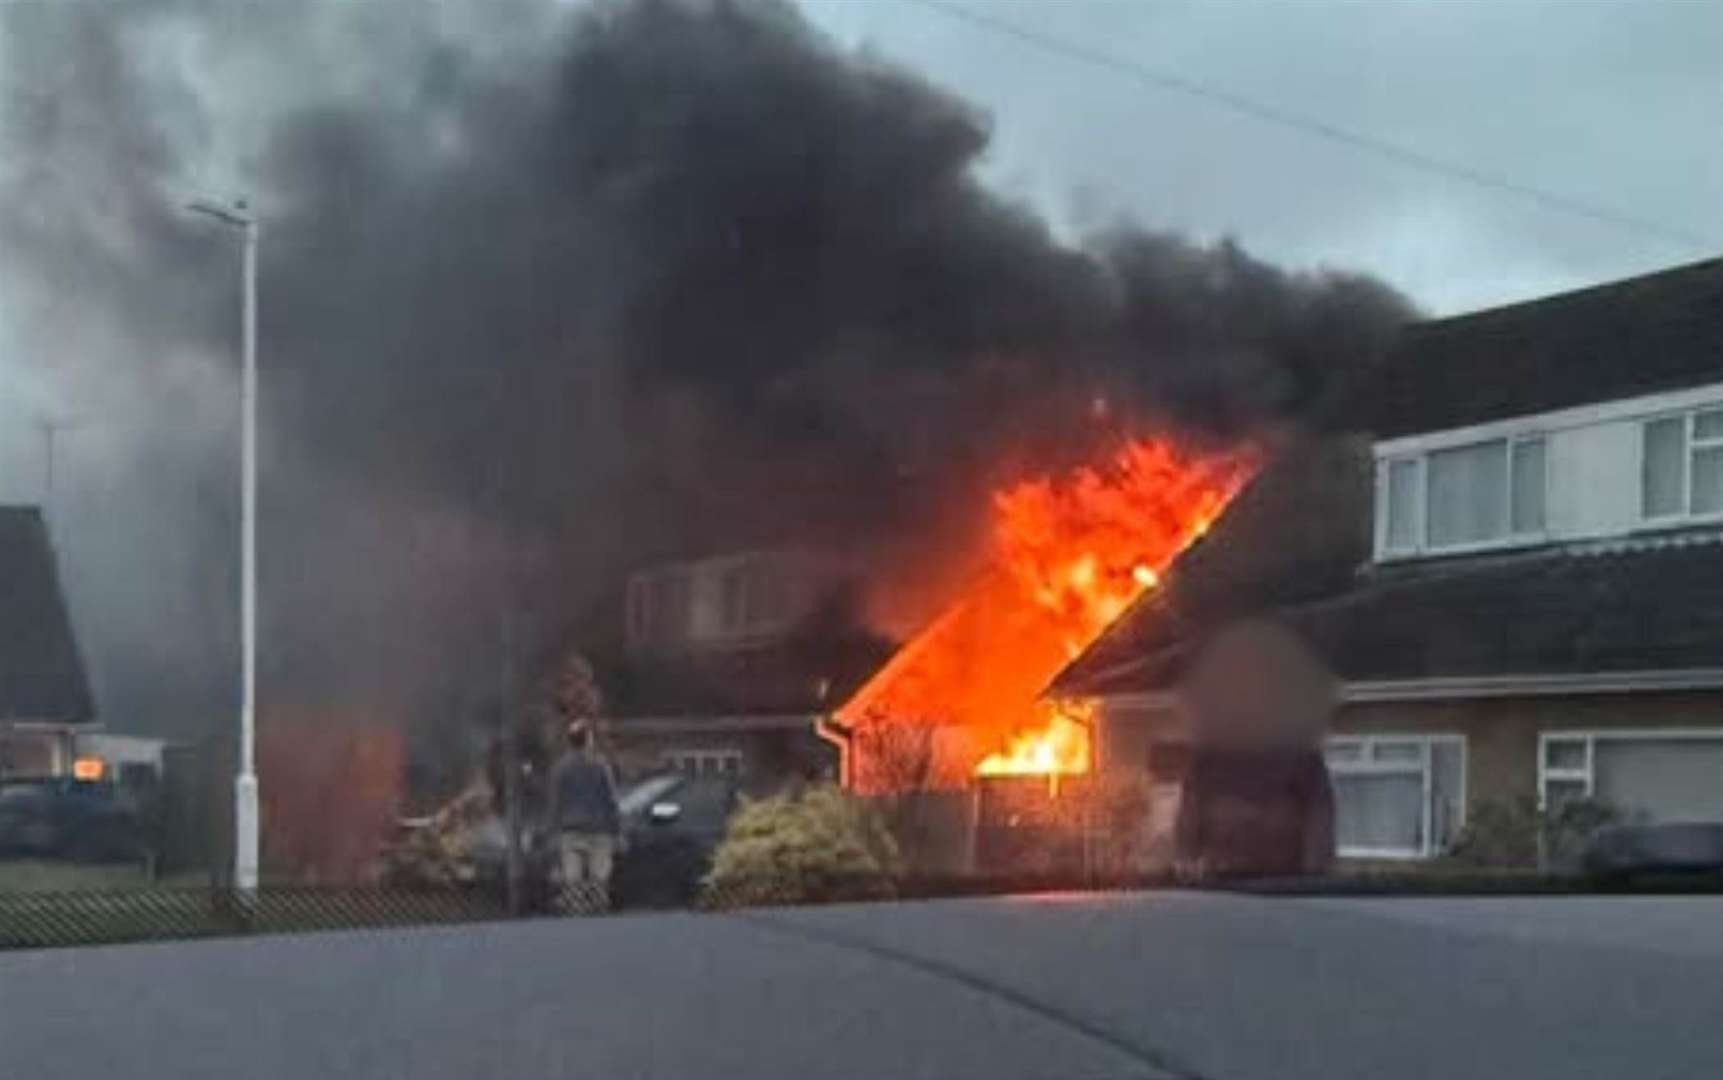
1665 479
1564 754
1447 781
1662 779
765 596
1339 753
1402 505
1468 499
672 608
1708 425
734 610
1528 509
1398 751
1381 811
1708 480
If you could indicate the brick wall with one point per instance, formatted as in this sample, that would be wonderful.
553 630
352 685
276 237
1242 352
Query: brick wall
1502 733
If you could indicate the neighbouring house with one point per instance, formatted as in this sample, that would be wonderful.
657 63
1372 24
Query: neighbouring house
1516 580
45 702
727 661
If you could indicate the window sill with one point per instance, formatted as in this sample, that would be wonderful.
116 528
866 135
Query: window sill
1395 854
1513 543
1676 521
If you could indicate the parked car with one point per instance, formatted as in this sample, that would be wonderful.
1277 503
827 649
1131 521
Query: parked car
671 825
1618 852
60 817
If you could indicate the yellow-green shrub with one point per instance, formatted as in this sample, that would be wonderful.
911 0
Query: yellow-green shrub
815 843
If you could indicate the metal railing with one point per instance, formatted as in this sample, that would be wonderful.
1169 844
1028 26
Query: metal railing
35 920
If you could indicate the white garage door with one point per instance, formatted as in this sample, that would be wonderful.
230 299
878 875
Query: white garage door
1666 779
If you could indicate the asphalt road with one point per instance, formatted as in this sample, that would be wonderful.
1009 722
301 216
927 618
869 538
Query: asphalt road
1061 988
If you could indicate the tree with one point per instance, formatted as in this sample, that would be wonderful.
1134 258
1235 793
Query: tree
575 692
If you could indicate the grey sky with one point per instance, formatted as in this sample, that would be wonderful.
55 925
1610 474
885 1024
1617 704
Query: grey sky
1611 103
1614 103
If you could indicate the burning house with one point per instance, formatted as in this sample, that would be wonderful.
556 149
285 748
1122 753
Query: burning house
728 660
994 698
1069 554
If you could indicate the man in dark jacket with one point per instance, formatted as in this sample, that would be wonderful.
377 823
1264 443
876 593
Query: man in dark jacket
584 818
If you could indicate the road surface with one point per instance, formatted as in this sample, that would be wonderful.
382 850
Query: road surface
1049 988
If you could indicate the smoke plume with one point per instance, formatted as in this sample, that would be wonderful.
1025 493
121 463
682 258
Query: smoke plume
549 291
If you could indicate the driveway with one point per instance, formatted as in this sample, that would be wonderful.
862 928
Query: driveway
1143 985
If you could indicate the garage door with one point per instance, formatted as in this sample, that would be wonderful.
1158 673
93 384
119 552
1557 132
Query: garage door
1662 779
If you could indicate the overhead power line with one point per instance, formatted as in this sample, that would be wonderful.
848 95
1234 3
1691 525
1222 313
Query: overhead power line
1318 128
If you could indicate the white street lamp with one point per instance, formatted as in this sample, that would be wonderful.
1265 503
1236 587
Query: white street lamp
245 813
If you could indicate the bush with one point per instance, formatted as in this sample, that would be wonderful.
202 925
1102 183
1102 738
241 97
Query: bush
812 844
1499 833
1566 828
1515 833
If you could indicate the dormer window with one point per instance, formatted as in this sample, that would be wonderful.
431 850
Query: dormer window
1461 497
1682 466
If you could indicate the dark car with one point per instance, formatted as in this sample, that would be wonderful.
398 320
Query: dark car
671 824
1617 853
88 821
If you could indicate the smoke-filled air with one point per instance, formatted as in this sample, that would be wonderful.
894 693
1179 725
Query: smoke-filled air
550 291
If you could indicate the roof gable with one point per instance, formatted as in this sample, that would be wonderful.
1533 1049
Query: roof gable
1301 529
41 672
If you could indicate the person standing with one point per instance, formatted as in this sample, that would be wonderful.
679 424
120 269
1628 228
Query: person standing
584 820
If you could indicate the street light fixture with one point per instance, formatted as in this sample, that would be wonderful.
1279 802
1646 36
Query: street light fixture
245 801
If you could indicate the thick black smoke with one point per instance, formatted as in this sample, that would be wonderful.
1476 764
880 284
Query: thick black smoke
548 292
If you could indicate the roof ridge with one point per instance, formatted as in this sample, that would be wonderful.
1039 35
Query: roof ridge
1584 292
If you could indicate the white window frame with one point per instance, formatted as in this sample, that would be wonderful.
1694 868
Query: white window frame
1590 737
723 761
1385 499
1421 499
1369 765
1690 445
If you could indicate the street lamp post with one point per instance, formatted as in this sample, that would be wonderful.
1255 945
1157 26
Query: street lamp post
245 799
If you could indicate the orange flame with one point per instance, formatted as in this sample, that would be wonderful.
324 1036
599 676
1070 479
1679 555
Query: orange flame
1070 554
1060 747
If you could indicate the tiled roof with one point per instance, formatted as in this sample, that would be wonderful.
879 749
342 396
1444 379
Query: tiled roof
1647 606
1662 331
802 674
